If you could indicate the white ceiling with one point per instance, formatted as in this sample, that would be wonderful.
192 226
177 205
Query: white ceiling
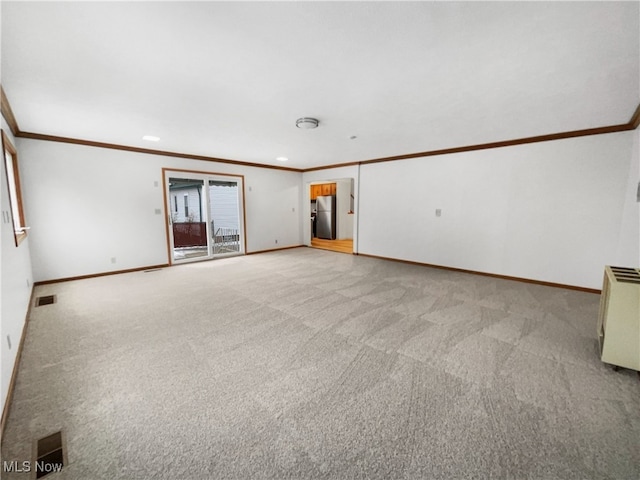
229 79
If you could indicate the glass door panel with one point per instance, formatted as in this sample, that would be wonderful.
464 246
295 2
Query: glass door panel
188 227
224 212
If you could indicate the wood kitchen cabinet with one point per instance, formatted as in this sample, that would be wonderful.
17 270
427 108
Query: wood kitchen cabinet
316 191
323 189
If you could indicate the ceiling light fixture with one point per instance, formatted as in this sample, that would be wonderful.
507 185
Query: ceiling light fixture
307 123
282 159
151 138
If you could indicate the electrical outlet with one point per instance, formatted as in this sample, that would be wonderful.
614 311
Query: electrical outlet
113 259
293 209
276 240
9 341
438 212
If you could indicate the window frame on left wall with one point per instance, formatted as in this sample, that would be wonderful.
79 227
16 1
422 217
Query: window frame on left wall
16 208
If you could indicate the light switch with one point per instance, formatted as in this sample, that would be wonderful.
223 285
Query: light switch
438 212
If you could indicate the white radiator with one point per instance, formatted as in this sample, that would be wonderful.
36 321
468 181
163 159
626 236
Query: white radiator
619 319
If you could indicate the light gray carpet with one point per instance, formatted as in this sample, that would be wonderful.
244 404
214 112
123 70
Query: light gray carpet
312 364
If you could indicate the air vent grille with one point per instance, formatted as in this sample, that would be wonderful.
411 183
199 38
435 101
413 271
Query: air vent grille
626 274
50 454
45 300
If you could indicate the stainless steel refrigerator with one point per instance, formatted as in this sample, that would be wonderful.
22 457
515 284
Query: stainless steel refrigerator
326 217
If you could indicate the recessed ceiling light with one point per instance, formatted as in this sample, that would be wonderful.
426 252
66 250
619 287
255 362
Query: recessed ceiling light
282 159
151 138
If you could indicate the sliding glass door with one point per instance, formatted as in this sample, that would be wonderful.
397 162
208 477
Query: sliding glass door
205 215
224 208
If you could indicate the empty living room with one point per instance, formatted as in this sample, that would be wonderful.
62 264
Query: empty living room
320 240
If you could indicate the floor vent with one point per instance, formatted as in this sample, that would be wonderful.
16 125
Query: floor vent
50 455
45 300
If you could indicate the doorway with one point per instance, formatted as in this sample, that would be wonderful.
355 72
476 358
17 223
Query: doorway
205 215
332 215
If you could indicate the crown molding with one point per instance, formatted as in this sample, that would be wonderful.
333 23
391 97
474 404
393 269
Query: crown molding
632 124
507 143
635 119
150 151
7 113
334 165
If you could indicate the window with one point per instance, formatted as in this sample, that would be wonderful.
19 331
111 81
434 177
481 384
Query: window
13 183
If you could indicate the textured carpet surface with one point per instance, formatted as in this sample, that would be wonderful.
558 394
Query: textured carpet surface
312 364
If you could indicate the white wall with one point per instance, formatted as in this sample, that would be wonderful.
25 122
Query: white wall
327 176
629 238
16 283
344 219
87 205
553 211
